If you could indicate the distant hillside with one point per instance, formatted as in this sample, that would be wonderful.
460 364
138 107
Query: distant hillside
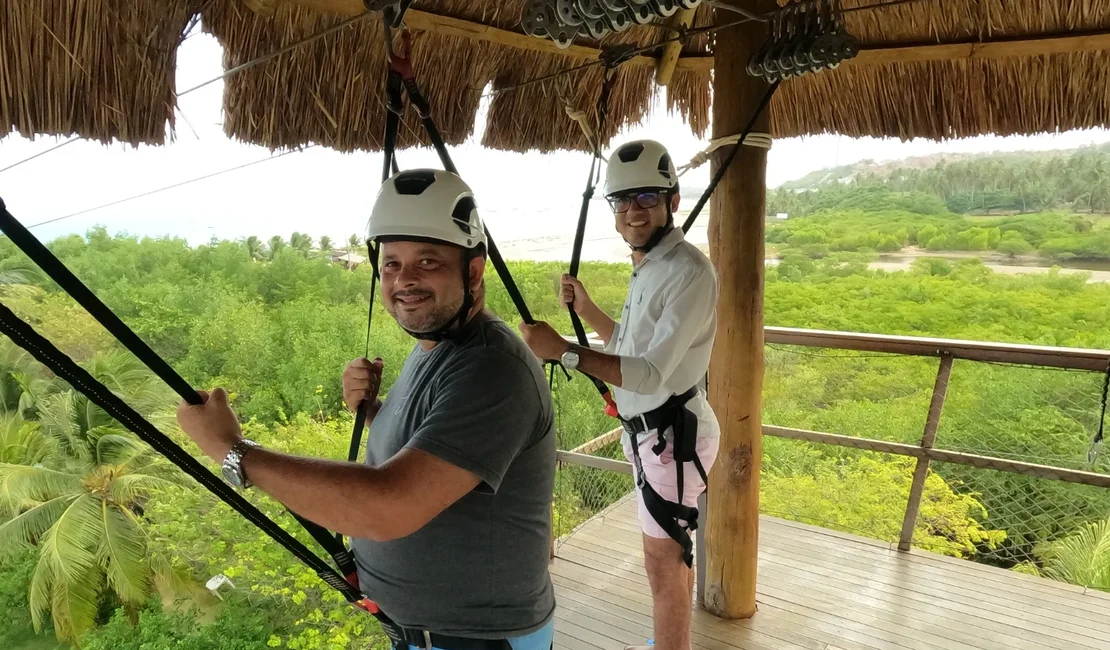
884 169
1075 180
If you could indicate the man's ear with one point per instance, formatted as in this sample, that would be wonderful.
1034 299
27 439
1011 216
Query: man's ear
676 199
477 273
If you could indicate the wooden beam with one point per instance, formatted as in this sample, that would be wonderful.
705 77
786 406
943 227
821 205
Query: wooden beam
921 470
673 50
1001 49
1009 48
873 55
1033 355
944 456
450 26
605 439
596 462
736 232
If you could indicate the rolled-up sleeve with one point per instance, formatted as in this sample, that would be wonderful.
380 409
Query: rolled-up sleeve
611 346
689 305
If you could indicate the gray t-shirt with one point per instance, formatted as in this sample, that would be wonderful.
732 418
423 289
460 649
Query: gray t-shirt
480 568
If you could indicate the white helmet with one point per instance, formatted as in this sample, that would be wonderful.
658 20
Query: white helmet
426 204
640 165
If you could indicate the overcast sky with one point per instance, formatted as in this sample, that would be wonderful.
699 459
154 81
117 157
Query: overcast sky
323 192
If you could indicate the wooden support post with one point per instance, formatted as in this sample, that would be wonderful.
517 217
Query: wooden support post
736 230
921 471
671 51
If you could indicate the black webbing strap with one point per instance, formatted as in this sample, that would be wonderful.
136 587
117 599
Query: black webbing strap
402 66
63 366
69 283
666 513
580 230
1096 444
719 174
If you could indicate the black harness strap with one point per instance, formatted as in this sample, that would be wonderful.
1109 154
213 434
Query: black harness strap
63 366
683 424
580 231
69 283
719 174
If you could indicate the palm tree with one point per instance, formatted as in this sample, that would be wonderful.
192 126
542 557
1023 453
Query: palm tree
82 505
255 248
21 380
325 246
19 270
276 244
301 243
1081 558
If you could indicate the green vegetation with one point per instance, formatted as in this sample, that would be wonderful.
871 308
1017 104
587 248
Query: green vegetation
1050 204
102 542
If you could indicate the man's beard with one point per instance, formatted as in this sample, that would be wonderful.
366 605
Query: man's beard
429 318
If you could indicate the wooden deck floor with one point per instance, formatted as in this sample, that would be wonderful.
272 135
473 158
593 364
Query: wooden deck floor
825 590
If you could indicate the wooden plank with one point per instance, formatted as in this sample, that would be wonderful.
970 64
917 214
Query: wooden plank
927 579
983 571
961 624
561 640
890 590
974 572
999 582
865 611
921 470
634 597
1056 594
912 586
736 243
710 634
1036 355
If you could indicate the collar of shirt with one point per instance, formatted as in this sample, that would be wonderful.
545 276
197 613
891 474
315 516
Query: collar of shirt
665 245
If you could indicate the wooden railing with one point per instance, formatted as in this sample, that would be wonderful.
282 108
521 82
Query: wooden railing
946 351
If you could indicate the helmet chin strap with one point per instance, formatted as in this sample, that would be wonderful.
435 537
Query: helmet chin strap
659 233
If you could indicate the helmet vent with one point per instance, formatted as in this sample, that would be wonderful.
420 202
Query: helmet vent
461 214
630 152
665 165
413 183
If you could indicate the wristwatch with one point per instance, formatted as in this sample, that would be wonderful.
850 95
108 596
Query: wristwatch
570 358
232 468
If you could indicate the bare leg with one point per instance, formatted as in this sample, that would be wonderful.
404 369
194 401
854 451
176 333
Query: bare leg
671 588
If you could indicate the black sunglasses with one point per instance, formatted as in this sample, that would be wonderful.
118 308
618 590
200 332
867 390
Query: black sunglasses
645 201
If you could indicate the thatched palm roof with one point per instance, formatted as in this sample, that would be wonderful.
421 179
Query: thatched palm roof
103 69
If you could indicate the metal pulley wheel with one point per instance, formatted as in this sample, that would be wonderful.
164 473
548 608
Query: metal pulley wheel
641 14
590 9
569 14
614 6
664 8
534 21
564 36
620 20
597 27
688 4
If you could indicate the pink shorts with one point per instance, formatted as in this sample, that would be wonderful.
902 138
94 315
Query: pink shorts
661 475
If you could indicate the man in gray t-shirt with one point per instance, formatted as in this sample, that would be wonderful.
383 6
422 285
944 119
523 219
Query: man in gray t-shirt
450 516
479 569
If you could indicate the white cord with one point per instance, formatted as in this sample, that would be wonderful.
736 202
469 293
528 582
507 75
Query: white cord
761 140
